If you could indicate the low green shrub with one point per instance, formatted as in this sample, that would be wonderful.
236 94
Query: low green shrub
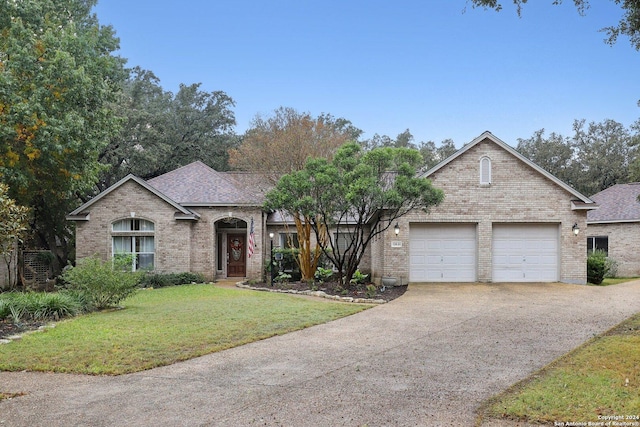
282 277
160 280
323 274
105 284
358 278
596 267
19 306
371 291
612 268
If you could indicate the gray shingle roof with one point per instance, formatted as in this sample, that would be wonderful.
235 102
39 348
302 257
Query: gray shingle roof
617 204
197 184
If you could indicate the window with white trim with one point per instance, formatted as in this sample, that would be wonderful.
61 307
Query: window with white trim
595 243
485 171
134 237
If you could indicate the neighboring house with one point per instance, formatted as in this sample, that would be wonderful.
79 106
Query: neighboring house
614 227
503 219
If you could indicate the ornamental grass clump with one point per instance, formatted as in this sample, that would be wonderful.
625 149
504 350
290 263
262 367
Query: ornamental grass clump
35 306
104 284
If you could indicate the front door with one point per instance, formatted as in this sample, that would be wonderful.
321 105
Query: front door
236 252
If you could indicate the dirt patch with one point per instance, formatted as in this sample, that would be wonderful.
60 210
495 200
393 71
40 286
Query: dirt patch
8 328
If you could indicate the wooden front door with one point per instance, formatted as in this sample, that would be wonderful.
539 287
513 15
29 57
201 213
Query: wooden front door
236 255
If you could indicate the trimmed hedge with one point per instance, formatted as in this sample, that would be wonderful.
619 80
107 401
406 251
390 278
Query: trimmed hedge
160 280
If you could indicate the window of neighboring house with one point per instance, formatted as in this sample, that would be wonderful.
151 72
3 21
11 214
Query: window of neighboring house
135 237
598 243
289 240
485 171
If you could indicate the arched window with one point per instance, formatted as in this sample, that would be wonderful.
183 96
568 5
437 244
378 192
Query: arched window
485 171
135 238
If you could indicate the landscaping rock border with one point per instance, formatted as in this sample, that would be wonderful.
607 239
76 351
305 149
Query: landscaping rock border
320 294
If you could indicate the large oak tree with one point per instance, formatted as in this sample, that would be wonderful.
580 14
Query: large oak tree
162 131
629 24
58 76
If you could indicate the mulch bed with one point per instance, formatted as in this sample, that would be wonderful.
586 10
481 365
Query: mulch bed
332 288
8 328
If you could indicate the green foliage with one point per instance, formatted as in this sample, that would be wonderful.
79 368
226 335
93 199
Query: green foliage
57 80
371 291
162 131
358 278
282 277
629 24
289 255
351 193
19 306
104 283
160 280
612 268
596 267
323 274
595 157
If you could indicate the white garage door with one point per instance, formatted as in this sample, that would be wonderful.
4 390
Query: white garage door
525 253
442 252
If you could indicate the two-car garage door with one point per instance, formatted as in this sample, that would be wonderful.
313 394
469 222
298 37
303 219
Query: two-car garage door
449 252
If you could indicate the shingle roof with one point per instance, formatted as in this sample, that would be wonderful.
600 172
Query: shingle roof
617 204
196 184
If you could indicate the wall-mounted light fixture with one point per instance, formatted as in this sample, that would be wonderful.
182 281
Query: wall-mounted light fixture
575 229
396 228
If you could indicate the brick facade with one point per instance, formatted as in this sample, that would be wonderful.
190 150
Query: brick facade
191 234
624 242
517 194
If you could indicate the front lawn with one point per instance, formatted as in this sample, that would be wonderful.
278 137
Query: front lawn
598 380
163 326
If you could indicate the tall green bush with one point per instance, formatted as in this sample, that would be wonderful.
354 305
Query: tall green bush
104 283
597 267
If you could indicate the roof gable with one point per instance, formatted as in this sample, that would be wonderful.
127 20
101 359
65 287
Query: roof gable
80 212
488 136
618 203
196 184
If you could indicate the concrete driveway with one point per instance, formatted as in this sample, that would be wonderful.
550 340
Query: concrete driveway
428 358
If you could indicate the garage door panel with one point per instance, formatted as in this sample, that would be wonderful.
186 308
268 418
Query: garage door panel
448 250
525 253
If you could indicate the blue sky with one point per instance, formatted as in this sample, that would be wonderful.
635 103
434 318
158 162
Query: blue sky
437 67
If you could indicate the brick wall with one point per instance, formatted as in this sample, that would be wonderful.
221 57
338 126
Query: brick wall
517 194
623 245
172 237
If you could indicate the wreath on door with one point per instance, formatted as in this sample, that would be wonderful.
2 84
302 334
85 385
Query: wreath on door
236 249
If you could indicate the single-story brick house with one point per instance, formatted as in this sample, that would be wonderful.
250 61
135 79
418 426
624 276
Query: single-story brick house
503 219
614 227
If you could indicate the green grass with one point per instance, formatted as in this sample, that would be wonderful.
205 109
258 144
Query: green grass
160 327
615 280
601 377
